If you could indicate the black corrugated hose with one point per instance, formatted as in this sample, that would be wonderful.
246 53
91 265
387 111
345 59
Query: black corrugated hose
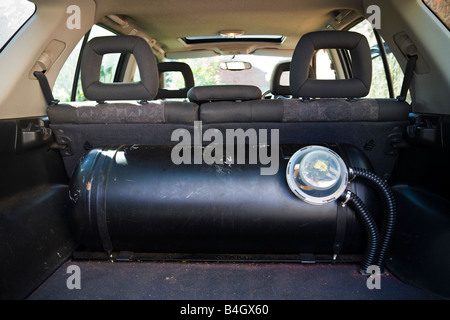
390 211
369 224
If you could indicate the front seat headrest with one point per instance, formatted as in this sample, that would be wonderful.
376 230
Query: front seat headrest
276 88
186 72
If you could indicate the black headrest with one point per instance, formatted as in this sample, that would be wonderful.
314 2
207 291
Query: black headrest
275 87
224 93
187 74
93 89
358 86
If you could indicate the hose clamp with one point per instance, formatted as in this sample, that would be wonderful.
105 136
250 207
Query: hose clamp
347 198
351 175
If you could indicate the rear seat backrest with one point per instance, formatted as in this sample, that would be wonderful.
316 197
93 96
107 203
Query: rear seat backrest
188 77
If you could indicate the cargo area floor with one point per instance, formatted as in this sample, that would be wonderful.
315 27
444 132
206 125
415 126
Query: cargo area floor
220 281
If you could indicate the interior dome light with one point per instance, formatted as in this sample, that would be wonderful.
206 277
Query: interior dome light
231 33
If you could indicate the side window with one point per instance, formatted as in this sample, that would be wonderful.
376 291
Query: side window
137 75
13 14
109 67
441 9
68 84
324 67
380 83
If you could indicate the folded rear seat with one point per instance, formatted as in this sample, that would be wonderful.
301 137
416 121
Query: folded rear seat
118 113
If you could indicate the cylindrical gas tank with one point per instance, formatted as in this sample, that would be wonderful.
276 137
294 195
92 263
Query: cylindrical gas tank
134 198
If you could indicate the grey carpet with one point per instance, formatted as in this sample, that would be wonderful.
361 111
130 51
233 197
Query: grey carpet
221 281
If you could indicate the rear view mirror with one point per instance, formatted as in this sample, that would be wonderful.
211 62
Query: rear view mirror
235 65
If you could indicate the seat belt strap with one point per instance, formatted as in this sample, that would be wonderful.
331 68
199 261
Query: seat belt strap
409 71
45 87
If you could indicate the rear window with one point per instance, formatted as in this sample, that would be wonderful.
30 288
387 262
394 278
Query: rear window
13 15
68 83
207 71
380 82
441 8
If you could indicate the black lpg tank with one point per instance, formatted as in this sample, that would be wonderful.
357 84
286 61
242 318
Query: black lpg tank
135 198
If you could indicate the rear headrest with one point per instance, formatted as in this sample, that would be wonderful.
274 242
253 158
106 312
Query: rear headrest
93 89
224 93
187 74
358 86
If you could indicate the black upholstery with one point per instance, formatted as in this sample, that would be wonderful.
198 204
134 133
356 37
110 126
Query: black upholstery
333 104
333 110
224 93
187 74
218 103
275 87
244 111
127 110
293 110
230 103
358 86
124 112
93 89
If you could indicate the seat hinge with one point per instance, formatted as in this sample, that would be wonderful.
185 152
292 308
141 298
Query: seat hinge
63 144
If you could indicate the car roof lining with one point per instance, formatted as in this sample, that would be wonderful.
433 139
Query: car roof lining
165 22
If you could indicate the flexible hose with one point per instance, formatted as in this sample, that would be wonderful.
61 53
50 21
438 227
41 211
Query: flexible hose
369 225
390 211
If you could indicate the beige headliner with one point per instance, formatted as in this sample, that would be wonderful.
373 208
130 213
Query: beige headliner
167 20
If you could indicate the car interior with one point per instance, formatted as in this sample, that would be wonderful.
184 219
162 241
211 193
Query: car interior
210 150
